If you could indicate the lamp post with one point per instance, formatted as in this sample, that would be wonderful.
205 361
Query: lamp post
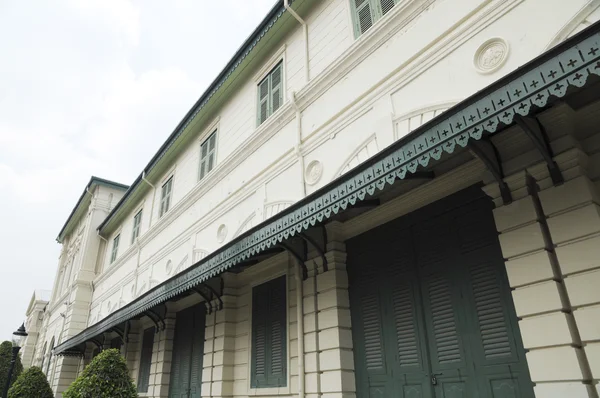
17 343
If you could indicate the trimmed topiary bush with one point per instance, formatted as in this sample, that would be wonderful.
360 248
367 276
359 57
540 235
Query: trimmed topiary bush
5 357
105 377
31 383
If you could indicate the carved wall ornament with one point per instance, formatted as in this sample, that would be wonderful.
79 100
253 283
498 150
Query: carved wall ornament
491 55
169 267
221 233
314 171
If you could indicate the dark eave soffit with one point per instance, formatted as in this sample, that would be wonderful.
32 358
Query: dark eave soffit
523 92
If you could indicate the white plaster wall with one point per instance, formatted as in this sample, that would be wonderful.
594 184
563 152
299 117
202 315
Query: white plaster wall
349 112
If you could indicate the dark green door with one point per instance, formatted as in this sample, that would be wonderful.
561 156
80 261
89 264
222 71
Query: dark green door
188 353
431 308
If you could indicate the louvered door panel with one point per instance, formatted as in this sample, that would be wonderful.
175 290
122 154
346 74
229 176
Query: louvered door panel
498 351
372 330
489 308
443 320
145 360
405 325
277 337
199 314
260 309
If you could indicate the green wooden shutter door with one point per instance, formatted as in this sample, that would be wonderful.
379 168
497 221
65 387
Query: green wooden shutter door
260 348
199 314
269 334
145 360
277 327
497 349
182 346
175 379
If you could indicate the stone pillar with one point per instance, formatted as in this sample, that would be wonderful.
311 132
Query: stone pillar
162 353
547 239
329 361
132 349
28 349
220 344
87 357
67 370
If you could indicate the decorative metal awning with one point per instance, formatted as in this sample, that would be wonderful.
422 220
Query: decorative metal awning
513 99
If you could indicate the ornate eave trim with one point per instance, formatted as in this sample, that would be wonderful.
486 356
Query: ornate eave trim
520 93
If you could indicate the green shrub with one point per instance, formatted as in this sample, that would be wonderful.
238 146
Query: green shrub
5 358
105 377
31 383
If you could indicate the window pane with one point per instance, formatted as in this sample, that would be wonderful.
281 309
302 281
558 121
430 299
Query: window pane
210 162
365 19
204 150
211 141
387 5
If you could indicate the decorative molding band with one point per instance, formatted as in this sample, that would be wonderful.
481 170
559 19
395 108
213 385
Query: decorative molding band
521 93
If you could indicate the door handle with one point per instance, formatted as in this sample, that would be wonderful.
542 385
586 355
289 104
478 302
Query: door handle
434 380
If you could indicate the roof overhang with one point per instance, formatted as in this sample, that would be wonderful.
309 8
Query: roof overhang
529 90
84 202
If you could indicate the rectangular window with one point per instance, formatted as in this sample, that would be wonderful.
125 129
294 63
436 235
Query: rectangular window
207 155
366 12
270 93
137 223
165 197
269 335
115 249
145 360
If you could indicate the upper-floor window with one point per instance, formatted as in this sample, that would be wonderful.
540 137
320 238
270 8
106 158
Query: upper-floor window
207 155
137 223
270 93
165 196
366 12
115 249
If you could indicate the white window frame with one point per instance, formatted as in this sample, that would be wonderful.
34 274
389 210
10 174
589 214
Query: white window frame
214 133
277 58
375 11
136 230
162 211
114 252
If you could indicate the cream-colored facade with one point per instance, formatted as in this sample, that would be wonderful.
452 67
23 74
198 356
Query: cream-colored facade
346 97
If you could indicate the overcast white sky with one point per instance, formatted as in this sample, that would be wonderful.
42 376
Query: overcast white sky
92 87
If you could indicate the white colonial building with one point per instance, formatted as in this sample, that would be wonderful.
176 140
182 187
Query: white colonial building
409 186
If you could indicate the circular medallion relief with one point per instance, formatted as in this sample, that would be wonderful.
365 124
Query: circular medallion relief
169 267
491 55
221 233
314 171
